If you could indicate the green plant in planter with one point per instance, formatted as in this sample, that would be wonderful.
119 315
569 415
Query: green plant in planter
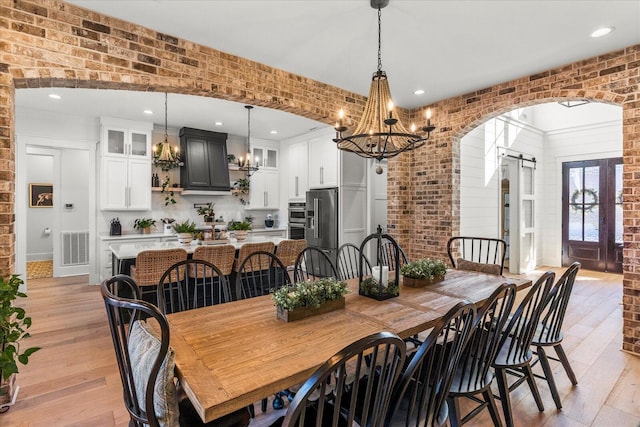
309 294
424 269
186 226
207 212
240 225
169 198
142 223
369 286
13 328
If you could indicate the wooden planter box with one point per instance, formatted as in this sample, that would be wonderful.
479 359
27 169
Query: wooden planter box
303 312
419 283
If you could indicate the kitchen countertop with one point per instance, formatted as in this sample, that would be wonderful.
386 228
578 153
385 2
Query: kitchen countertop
134 235
131 250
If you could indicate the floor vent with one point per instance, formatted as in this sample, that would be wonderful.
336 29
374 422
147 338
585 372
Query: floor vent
75 248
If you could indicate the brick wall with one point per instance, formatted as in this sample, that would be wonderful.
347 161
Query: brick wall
53 44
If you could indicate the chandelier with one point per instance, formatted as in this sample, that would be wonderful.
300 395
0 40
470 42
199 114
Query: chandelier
164 156
379 134
246 164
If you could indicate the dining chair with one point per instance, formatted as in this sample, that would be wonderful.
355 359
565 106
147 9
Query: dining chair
514 354
146 361
349 261
312 263
249 248
203 285
150 266
387 256
419 397
222 256
482 254
353 387
259 274
287 250
549 330
474 373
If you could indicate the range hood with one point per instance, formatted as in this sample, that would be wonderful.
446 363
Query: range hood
206 170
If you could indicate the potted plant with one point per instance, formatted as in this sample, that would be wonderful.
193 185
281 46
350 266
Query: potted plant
240 189
185 230
13 328
309 298
231 158
207 212
144 225
422 272
240 229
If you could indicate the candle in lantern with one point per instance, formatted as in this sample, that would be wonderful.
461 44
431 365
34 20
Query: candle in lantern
428 116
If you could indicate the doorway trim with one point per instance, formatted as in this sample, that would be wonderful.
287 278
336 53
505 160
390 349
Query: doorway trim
22 142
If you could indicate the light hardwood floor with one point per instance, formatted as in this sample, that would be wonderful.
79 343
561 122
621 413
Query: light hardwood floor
74 380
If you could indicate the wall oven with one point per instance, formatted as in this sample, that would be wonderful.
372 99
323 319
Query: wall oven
297 220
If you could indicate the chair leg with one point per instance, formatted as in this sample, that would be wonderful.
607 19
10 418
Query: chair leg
454 412
565 363
548 375
505 399
252 411
526 369
493 409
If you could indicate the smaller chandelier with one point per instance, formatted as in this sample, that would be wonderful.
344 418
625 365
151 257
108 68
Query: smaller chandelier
247 165
379 134
165 156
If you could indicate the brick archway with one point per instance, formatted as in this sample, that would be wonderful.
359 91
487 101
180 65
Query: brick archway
52 43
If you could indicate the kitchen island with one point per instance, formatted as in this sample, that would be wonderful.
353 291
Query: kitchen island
123 255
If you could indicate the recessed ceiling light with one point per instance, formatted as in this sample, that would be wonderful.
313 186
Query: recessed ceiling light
273 132
418 92
148 112
602 31
218 123
54 96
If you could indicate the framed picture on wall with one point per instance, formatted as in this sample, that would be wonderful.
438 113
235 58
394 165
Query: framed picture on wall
40 195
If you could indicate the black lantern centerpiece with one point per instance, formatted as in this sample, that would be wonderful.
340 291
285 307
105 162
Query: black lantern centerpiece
380 286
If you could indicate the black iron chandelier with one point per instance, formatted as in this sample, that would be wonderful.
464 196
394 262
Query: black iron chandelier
379 134
246 164
165 156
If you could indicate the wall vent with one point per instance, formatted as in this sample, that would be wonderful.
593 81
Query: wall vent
75 248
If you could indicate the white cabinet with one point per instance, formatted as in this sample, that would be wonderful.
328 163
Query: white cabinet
323 162
125 166
298 170
263 190
267 157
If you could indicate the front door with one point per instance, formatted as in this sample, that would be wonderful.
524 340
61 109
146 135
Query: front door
592 214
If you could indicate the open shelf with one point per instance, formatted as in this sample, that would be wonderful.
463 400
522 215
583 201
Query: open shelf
176 189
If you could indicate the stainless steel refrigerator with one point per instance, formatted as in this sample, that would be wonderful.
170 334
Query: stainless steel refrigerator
322 221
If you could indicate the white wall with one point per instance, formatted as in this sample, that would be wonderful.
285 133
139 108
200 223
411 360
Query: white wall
598 141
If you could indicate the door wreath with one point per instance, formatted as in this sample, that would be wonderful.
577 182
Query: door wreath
584 200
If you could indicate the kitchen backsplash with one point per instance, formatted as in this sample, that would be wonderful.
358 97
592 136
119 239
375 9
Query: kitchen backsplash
228 206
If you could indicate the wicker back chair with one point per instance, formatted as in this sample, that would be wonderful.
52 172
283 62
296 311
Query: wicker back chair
222 256
151 265
288 250
249 248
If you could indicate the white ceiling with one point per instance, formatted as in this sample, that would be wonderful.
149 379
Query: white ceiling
446 48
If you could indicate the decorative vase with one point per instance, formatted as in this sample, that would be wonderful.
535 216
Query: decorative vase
419 283
240 235
146 230
8 392
185 238
303 312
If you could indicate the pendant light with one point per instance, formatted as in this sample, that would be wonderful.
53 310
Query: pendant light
168 157
246 164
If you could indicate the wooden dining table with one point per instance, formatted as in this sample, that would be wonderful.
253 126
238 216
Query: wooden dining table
231 355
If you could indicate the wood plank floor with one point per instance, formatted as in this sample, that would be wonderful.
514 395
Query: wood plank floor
74 380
